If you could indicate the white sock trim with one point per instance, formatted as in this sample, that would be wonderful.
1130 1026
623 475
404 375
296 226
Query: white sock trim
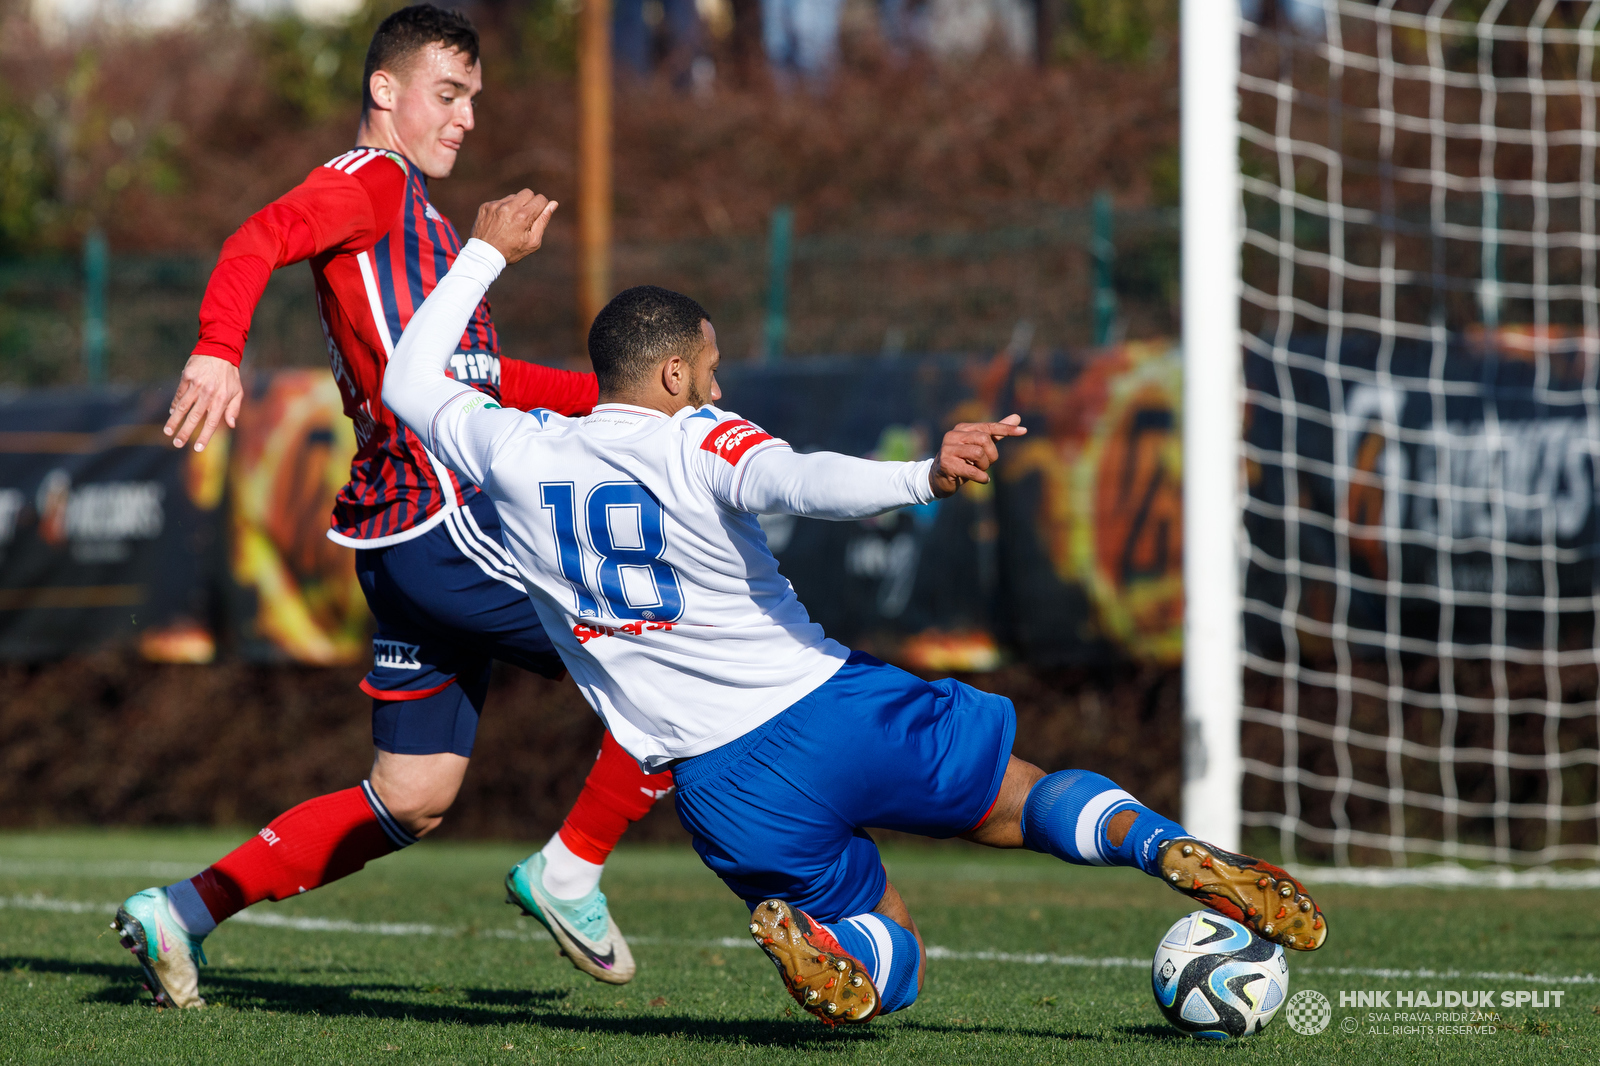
189 910
565 875
1088 830
882 943
391 828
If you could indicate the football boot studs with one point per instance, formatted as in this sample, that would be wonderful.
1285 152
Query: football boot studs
821 976
1255 893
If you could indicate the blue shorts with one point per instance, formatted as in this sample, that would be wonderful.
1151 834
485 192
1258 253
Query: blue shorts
781 812
447 604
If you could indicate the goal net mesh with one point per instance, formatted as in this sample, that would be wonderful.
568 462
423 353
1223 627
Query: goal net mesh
1422 378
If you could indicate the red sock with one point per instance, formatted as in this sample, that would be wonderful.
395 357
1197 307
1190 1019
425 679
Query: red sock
616 795
306 847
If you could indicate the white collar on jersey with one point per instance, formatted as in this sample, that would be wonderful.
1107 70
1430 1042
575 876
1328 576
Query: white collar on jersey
627 408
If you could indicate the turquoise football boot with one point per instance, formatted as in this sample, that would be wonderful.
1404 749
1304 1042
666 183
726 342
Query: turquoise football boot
166 953
582 927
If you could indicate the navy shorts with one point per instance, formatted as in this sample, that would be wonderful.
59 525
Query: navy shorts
782 812
447 604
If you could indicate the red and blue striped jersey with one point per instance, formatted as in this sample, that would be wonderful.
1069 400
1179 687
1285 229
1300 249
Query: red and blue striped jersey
377 247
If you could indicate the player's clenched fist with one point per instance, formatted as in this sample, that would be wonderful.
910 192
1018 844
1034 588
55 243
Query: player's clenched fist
516 224
968 451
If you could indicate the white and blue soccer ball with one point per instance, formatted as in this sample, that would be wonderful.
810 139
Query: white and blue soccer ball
1215 979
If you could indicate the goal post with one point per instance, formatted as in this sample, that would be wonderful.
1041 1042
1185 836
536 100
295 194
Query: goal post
1391 429
1211 419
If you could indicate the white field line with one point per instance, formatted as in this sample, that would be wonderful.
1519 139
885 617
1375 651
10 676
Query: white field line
40 903
1034 958
1446 975
335 925
115 868
339 925
1446 875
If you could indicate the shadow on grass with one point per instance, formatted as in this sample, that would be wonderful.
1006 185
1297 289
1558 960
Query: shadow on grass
1119 1035
239 990
1158 1032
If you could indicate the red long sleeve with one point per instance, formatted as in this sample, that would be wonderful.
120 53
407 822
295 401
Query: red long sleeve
526 386
330 210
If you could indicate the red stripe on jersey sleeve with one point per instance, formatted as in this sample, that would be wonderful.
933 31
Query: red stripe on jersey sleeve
730 440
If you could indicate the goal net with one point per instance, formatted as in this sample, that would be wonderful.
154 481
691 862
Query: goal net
1420 316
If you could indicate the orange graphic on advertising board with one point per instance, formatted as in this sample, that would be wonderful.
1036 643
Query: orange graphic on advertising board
1111 467
1364 505
291 456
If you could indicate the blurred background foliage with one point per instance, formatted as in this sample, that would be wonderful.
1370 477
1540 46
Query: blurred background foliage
1123 31
26 175
912 177
315 68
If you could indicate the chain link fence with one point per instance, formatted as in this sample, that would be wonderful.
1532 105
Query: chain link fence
836 293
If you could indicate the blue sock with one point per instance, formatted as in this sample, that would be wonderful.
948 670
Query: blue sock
1066 815
889 951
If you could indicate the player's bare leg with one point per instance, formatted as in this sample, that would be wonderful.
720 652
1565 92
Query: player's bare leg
1074 809
417 790
306 847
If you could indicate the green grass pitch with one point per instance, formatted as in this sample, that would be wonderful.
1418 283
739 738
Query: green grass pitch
456 976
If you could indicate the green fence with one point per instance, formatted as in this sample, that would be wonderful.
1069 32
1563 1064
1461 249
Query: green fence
1073 276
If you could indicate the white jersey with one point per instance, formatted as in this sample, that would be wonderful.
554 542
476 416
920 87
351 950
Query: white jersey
637 537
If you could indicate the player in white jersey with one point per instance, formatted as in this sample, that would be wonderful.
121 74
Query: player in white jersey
635 528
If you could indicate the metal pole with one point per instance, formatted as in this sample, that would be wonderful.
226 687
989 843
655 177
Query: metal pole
1104 250
778 251
594 160
1212 420
96 264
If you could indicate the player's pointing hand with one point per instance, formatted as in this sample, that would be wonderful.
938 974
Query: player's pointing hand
516 224
968 451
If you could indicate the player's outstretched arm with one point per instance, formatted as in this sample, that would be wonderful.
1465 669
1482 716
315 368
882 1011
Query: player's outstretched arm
827 485
330 209
526 386
458 423
824 485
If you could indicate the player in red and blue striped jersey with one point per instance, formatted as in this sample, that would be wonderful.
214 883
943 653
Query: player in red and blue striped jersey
447 596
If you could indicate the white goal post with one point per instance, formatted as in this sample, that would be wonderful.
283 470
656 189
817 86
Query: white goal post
1391 429
1211 419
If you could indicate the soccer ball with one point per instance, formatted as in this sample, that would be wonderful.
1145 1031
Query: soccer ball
1215 979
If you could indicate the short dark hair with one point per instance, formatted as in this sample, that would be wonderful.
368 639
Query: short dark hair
639 328
410 30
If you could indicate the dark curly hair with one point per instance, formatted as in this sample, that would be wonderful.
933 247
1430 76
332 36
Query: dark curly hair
639 328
